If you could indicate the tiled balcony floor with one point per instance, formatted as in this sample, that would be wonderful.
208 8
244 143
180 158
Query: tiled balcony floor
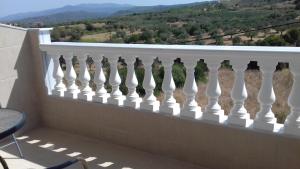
46 147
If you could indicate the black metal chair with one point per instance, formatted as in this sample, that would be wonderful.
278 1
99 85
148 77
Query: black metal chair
11 131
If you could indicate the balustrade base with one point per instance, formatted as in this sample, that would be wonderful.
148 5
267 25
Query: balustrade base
134 104
294 131
174 109
72 95
101 99
86 96
59 93
194 114
218 117
262 125
242 122
119 101
154 107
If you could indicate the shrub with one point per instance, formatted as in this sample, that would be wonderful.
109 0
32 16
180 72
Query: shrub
273 40
132 38
236 40
178 75
147 35
292 36
140 72
123 74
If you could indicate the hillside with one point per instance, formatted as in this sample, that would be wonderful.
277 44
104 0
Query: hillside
205 23
71 13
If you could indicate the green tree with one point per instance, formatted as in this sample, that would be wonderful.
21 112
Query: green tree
89 26
147 36
219 41
251 34
292 36
76 33
132 38
272 40
236 40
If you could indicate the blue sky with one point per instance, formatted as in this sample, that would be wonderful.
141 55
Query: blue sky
8 7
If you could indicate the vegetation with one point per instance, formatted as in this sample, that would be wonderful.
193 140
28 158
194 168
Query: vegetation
235 22
206 23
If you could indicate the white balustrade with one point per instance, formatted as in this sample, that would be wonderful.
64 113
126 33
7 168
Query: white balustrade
292 122
239 57
58 75
86 92
238 114
132 98
213 111
116 96
190 89
149 101
169 104
265 118
72 88
101 94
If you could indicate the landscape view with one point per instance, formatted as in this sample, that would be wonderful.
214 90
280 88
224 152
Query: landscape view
224 22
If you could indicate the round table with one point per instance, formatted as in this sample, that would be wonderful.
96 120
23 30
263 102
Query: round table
10 119
10 122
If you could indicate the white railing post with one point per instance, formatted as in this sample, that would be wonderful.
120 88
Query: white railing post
149 101
292 122
101 94
116 96
48 65
190 89
265 118
213 111
72 89
58 74
132 98
238 114
169 104
86 92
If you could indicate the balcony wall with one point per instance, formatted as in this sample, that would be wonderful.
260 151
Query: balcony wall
18 74
215 146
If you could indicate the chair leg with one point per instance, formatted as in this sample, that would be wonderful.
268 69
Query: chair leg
3 162
18 146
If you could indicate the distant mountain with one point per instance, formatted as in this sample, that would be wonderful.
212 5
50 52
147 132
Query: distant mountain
157 8
105 9
84 11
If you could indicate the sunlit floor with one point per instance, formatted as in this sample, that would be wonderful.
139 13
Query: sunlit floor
46 147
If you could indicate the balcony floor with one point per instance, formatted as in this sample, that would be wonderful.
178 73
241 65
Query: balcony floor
39 153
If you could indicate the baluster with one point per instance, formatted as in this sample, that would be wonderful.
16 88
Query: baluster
58 74
238 114
169 104
86 92
190 89
72 88
213 111
292 122
132 98
116 96
265 118
149 101
101 94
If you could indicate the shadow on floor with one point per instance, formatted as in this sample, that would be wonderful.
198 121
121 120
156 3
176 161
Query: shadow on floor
46 147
